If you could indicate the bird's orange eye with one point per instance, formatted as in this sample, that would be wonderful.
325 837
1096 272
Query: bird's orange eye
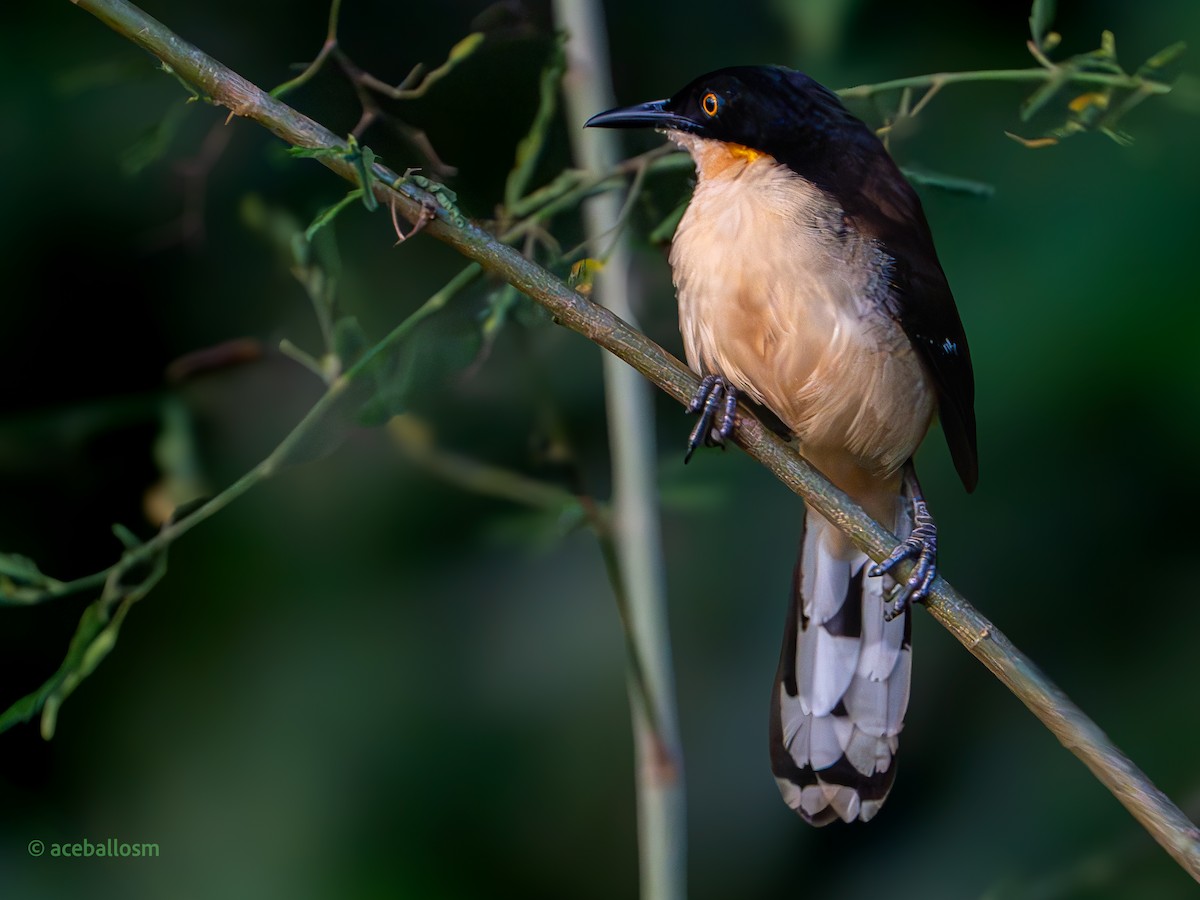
710 104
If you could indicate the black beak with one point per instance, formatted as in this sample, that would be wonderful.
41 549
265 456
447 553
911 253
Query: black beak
644 115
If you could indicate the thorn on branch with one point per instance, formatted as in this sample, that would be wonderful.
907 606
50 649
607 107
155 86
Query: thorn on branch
424 218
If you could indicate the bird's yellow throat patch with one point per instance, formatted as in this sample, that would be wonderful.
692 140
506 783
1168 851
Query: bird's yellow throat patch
741 151
714 158
717 159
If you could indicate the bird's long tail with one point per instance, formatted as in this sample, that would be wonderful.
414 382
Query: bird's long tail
842 687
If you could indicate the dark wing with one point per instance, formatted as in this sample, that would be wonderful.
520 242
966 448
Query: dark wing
926 311
840 154
881 203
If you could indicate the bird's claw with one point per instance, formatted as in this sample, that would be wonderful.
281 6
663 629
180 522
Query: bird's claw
921 544
716 401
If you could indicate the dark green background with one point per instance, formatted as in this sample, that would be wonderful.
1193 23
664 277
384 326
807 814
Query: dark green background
359 681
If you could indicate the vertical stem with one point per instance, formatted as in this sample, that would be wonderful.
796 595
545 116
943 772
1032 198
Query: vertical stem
662 830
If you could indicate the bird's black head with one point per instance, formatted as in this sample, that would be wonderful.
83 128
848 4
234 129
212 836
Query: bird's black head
771 109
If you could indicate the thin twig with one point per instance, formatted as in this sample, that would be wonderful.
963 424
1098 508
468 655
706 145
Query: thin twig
617 229
415 440
404 90
365 85
1131 82
1157 814
331 42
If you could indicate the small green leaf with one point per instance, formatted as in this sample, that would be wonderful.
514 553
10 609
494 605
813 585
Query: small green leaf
1102 59
364 162
21 568
367 172
24 709
465 47
362 158
1154 67
125 536
91 623
22 582
1108 44
93 654
1041 16
1120 138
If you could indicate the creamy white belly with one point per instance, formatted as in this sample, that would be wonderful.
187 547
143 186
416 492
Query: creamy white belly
777 295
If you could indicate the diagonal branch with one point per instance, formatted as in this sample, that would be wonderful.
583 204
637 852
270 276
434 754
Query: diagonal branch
1153 809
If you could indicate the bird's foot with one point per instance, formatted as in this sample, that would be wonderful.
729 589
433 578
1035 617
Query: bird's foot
921 544
716 401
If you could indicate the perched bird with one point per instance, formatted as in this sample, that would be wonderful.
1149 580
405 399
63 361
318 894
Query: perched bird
808 282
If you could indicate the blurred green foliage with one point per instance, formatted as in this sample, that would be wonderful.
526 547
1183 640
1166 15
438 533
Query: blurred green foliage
361 681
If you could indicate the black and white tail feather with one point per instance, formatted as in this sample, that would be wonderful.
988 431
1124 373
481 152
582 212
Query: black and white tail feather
843 681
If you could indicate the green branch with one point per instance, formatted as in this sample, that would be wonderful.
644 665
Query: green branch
1157 814
1096 70
939 80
